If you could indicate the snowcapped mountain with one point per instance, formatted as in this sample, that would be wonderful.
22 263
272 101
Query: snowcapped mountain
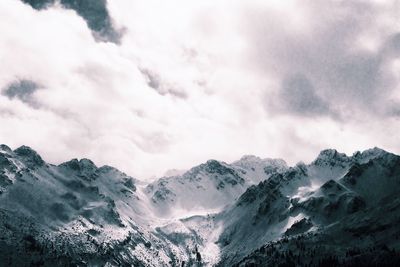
211 185
252 212
327 213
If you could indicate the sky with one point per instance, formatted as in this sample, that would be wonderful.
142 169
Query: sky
148 86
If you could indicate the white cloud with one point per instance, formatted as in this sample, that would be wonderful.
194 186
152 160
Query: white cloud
225 57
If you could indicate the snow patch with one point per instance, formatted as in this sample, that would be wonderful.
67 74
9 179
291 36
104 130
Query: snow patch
292 220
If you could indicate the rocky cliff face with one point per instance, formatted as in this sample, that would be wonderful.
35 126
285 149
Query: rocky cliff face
253 212
336 215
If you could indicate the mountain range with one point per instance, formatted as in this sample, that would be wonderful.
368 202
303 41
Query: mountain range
337 210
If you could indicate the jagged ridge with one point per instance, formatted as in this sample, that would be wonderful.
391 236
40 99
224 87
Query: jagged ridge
253 212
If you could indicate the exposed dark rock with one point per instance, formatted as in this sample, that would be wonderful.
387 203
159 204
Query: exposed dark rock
29 156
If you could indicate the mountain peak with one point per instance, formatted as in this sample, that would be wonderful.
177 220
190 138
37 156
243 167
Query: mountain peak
5 148
375 152
81 164
213 166
330 156
255 159
367 155
250 158
29 156
87 163
330 152
83 167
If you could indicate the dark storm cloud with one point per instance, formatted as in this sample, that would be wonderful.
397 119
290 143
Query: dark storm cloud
39 4
94 12
345 77
22 90
299 96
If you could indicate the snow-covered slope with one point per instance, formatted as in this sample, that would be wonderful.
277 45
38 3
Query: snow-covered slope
75 212
331 195
256 169
209 187
253 211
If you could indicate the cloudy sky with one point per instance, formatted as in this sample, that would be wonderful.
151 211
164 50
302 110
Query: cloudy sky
153 85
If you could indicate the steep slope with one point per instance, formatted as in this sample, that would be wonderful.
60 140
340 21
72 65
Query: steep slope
209 187
256 169
260 215
78 212
307 207
253 212
189 203
75 212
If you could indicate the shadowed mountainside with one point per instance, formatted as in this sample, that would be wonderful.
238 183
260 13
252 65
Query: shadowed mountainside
338 209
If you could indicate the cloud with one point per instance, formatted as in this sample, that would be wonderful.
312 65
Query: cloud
154 81
343 51
194 80
299 97
23 90
94 12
